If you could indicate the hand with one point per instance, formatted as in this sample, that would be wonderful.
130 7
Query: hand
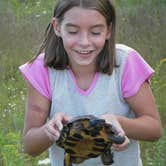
55 125
111 119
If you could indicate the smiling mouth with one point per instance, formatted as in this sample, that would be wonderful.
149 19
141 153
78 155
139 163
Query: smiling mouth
84 52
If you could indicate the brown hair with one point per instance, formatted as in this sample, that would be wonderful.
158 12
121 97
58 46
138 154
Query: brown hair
55 54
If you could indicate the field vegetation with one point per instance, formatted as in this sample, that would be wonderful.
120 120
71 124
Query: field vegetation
141 25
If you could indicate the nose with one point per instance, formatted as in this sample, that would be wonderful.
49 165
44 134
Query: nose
84 40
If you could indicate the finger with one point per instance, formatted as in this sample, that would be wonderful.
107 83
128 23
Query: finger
51 137
118 130
57 120
51 132
116 127
52 128
121 132
58 125
120 147
61 118
55 135
66 119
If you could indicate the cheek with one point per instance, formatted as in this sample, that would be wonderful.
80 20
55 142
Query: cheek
100 42
68 41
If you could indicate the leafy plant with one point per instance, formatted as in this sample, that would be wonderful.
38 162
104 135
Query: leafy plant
22 24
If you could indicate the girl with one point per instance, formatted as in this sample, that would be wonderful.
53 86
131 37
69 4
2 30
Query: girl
79 70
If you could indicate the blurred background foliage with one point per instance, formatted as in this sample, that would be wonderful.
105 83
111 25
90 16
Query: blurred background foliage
140 24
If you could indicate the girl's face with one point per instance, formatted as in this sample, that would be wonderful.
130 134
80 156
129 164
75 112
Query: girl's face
84 33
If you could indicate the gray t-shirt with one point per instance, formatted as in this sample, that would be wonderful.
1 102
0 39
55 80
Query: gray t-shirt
104 96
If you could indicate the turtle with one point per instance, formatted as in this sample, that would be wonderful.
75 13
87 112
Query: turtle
86 137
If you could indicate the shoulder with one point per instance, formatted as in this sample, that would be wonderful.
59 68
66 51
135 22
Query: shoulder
127 56
38 63
123 49
37 74
134 70
123 52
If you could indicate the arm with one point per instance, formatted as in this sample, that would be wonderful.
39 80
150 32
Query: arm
37 134
147 124
37 109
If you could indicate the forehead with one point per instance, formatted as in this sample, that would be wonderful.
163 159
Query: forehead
81 16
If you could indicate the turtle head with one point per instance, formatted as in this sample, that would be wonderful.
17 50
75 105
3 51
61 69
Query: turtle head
116 139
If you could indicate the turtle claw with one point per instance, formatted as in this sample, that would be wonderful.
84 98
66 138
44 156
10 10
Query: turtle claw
67 160
107 157
117 139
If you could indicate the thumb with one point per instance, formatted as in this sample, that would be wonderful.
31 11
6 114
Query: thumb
58 118
66 119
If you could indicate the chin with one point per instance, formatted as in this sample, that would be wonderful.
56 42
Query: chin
85 63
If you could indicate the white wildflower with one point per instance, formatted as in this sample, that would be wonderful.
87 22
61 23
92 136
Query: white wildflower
44 162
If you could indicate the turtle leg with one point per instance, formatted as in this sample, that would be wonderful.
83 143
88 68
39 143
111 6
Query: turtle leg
67 160
77 160
107 157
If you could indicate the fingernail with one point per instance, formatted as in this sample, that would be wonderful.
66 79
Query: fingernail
60 127
57 135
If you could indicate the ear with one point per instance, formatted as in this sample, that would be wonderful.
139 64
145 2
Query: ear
56 26
109 32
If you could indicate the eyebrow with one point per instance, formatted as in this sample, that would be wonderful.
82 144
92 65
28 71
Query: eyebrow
94 26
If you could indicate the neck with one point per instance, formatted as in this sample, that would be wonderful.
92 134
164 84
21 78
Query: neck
83 71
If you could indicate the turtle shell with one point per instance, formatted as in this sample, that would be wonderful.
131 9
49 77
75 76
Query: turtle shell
87 137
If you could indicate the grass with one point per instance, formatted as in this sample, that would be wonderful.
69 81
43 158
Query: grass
140 25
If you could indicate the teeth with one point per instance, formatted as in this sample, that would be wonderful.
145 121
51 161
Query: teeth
84 52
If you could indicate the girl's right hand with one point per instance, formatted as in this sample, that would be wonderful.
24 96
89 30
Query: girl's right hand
53 127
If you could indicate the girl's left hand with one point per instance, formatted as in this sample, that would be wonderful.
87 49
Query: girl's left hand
111 119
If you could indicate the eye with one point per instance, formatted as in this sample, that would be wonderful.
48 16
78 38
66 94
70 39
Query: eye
72 32
96 33
97 30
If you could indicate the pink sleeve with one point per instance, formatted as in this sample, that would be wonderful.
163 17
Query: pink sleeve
136 72
37 75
